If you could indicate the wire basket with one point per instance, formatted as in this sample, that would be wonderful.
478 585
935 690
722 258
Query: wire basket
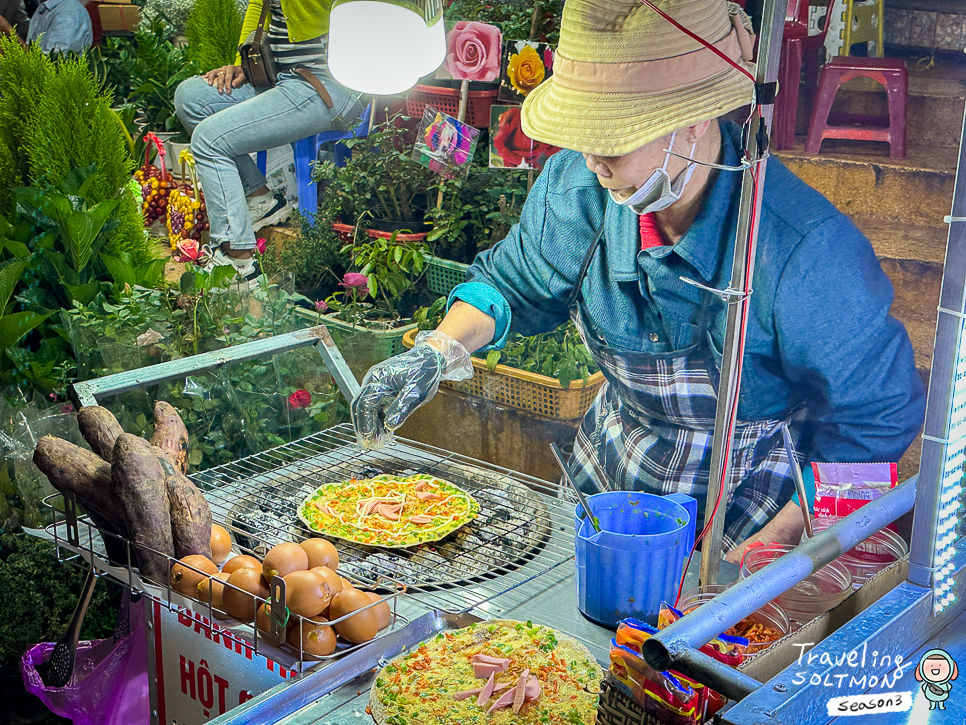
447 100
532 392
442 275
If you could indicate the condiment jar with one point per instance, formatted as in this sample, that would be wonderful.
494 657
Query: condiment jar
880 550
769 615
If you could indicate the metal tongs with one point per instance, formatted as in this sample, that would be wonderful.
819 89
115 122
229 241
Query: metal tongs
558 455
799 481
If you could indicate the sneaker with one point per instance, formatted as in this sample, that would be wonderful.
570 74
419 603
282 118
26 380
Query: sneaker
268 210
248 271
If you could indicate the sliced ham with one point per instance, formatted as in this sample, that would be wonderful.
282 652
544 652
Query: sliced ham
498 687
324 508
483 670
422 486
505 701
428 496
390 512
520 691
421 519
503 662
487 690
533 688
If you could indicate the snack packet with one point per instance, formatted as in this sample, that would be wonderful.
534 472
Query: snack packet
663 695
841 488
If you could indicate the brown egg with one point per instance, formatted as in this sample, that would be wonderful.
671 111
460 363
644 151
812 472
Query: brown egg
333 581
220 544
211 591
382 610
241 604
360 627
284 559
321 553
184 578
316 637
306 593
264 624
241 562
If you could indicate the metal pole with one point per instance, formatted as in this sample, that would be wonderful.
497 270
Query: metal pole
663 650
727 680
769 51
939 420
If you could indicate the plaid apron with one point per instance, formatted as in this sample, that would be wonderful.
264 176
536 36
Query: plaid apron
651 427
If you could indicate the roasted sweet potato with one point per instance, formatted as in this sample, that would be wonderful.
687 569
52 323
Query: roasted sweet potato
100 429
138 482
189 511
74 469
170 435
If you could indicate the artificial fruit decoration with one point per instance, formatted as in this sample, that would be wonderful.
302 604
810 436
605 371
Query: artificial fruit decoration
155 183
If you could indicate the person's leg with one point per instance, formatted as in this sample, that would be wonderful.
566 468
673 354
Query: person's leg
290 111
195 101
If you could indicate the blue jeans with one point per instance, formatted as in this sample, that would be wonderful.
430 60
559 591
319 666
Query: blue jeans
225 129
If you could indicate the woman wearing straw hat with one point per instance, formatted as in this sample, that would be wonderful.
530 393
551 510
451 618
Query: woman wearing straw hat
618 227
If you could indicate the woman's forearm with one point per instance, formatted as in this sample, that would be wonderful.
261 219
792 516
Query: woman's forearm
472 328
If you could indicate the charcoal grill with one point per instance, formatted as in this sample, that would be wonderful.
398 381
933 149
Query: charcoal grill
517 552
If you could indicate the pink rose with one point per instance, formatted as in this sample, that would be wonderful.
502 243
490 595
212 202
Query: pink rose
355 280
473 51
321 306
260 245
188 251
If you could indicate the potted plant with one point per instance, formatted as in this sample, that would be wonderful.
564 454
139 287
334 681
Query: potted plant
380 189
371 312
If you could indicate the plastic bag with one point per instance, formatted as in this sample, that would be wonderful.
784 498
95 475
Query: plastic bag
664 695
842 488
110 681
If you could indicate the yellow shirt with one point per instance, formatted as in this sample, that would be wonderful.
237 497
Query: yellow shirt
306 19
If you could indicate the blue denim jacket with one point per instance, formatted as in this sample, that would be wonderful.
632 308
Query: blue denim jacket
819 330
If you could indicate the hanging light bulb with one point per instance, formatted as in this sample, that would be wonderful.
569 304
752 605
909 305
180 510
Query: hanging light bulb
385 46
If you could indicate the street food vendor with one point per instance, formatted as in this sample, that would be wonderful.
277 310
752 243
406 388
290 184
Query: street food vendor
643 201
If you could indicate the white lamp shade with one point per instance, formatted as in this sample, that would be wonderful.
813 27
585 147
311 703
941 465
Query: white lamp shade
382 48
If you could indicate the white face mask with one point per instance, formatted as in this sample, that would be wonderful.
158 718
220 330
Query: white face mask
658 192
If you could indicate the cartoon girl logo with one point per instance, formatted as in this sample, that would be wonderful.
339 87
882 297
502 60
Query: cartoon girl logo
936 671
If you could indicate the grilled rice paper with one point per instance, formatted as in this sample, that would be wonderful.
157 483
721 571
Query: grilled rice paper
389 511
428 685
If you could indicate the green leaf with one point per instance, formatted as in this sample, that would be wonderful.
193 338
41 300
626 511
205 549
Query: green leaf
492 359
82 293
121 272
222 275
15 326
188 282
17 249
81 228
10 273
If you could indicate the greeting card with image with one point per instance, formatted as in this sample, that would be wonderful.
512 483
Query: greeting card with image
525 65
510 148
445 145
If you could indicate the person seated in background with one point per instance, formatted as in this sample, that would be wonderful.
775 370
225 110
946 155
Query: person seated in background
229 119
61 26
14 18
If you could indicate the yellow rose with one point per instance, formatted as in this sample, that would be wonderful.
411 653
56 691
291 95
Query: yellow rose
525 70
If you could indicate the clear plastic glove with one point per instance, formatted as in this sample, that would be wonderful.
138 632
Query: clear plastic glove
393 389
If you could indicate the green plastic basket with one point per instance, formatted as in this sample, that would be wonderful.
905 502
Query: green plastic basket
443 275
362 348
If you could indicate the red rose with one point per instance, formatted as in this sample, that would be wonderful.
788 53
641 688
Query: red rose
300 399
514 146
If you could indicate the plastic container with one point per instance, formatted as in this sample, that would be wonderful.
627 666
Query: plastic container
447 100
823 590
635 561
532 392
882 549
770 615
442 275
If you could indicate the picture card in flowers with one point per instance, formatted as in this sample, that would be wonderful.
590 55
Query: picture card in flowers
445 145
525 65
510 148
473 52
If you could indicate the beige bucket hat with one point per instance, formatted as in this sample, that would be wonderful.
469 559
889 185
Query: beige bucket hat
624 76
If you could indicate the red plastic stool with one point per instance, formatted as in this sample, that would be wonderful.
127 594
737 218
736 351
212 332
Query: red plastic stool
891 73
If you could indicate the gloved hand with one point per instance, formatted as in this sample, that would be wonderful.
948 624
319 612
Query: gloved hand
393 389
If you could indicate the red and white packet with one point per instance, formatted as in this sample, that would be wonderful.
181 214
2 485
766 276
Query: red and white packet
841 488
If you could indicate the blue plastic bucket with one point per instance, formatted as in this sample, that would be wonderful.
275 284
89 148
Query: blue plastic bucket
636 560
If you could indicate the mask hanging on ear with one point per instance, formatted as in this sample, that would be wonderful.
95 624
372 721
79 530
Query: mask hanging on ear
658 192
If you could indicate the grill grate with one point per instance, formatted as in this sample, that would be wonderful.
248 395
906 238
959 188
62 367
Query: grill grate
524 528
